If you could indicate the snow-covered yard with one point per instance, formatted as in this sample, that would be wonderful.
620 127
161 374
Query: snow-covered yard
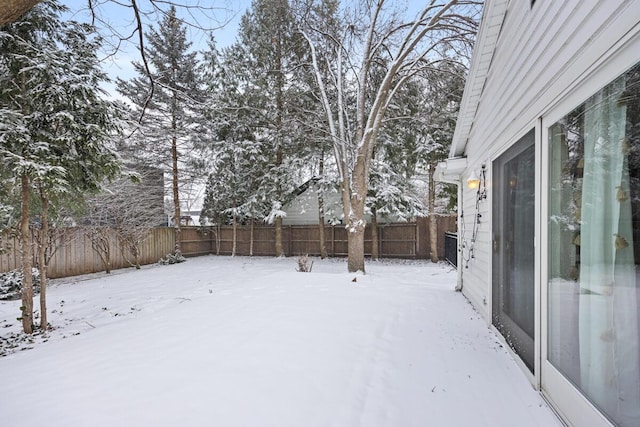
221 341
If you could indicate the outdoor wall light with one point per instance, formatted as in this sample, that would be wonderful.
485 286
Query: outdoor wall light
480 184
473 182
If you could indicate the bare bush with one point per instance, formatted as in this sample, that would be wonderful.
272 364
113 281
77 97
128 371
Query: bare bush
303 264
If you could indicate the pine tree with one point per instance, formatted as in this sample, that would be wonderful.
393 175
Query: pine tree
170 110
444 85
267 32
238 154
54 121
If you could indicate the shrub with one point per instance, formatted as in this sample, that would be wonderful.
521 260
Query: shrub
11 284
174 258
303 264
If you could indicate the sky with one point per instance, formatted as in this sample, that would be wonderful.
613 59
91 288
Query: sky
219 16
248 341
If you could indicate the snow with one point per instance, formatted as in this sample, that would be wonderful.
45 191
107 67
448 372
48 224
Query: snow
251 342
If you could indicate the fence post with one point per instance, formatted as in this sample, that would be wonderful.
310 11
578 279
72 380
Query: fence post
333 240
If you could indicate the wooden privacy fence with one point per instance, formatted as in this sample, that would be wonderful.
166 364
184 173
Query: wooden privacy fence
76 256
398 240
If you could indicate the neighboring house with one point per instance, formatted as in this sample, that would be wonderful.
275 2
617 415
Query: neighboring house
549 241
303 207
190 218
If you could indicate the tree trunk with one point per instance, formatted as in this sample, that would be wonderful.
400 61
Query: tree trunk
356 219
42 260
374 234
27 257
174 181
106 248
433 237
13 9
355 244
251 225
433 219
219 230
234 223
176 196
136 255
279 149
323 246
278 229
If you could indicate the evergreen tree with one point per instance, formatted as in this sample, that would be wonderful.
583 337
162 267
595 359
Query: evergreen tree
267 33
53 122
230 194
444 85
314 153
238 154
170 109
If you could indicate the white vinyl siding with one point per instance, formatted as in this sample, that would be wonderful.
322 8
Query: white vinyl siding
544 62
541 54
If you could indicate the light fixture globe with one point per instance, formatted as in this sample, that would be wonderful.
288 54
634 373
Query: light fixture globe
473 182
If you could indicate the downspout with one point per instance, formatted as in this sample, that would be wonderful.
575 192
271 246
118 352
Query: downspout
459 243
450 172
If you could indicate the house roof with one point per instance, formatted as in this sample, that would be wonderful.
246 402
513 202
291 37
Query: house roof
490 28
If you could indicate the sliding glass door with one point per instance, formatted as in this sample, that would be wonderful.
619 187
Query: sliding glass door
593 326
513 247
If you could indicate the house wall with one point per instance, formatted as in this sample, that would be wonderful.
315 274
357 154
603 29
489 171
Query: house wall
303 209
533 65
543 53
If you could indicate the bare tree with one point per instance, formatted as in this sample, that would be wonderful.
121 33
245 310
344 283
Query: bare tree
405 48
97 227
139 208
126 210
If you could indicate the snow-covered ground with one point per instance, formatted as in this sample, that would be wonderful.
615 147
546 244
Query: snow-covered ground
219 341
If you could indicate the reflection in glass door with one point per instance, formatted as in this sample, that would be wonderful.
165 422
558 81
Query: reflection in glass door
513 247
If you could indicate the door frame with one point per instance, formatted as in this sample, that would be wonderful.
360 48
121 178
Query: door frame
535 376
527 140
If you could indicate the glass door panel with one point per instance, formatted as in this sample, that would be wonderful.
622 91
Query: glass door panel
513 247
594 249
